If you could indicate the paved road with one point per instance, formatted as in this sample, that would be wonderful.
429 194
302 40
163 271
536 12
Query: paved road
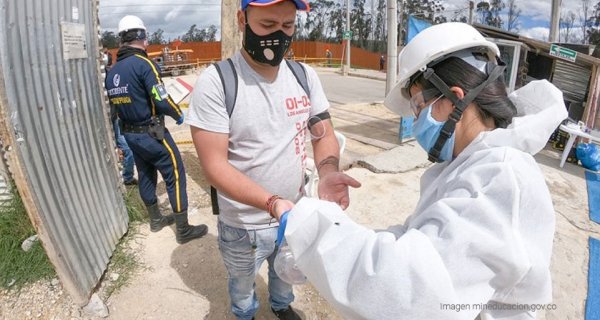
339 89
351 90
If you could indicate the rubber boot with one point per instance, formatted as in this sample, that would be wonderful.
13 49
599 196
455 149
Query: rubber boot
186 232
157 220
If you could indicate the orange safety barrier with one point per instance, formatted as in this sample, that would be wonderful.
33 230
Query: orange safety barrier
311 52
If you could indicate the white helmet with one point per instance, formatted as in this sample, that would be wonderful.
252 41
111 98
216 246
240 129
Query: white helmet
131 23
431 46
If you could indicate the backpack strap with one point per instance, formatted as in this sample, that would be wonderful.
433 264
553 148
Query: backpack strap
229 81
300 74
214 200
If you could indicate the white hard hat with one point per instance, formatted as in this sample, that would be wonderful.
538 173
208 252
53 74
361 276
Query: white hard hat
431 46
131 23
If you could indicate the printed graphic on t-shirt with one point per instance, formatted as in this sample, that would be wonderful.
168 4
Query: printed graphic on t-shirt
300 145
297 106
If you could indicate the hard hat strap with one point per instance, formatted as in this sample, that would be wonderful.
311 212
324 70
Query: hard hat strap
460 106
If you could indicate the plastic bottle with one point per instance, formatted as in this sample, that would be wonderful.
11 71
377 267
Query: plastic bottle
285 263
285 266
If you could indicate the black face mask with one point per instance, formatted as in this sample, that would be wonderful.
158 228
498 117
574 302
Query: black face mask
268 49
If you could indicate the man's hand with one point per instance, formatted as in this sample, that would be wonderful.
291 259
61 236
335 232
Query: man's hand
334 187
120 154
281 206
180 120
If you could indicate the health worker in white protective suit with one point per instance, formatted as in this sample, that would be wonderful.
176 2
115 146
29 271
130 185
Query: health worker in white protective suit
479 242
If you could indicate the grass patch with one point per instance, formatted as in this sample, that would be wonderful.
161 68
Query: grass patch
124 261
135 206
18 267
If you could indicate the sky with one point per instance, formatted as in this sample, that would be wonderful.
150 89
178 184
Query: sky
176 16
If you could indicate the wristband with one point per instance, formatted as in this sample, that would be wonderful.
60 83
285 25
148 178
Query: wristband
271 204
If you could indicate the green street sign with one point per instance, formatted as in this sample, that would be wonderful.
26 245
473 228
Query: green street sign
347 35
563 53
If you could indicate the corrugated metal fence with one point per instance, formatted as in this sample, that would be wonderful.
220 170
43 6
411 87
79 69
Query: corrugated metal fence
54 126
573 80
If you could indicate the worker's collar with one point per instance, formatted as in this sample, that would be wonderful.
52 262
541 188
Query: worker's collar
127 51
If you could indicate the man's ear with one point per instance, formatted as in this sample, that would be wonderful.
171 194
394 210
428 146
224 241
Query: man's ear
458 92
241 18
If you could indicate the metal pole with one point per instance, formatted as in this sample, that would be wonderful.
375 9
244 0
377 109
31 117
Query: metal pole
554 21
392 52
349 38
471 7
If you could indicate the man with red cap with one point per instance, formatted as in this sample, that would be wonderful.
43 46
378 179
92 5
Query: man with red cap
253 151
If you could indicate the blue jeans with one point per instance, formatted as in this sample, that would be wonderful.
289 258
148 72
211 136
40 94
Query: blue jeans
243 253
127 153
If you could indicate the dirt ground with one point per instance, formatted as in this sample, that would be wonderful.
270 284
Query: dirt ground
190 282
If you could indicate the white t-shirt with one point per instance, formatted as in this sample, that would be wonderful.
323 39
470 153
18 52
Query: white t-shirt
267 132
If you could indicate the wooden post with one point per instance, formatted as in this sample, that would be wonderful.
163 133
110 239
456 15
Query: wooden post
591 107
230 36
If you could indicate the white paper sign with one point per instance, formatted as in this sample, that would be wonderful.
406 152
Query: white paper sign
176 90
73 40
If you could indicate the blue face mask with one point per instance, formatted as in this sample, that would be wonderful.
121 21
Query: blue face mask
426 130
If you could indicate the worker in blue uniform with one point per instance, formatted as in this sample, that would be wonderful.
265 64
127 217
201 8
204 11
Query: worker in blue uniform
136 90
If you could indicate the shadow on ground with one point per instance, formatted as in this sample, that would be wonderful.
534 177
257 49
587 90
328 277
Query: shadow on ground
551 158
203 258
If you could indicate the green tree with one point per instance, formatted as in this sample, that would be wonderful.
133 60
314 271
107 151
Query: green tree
424 9
584 19
490 14
361 23
337 23
512 17
109 40
430 10
157 37
299 33
380 31
191 34
593 30
318 19
459 17
567 24
195 34
326 21
211 33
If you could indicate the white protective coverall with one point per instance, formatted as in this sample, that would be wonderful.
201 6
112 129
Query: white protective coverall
480 237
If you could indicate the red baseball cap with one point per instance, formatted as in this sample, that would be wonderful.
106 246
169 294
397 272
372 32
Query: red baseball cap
300 4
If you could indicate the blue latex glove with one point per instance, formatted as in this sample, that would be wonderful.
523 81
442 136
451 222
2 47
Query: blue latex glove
281 229
180 121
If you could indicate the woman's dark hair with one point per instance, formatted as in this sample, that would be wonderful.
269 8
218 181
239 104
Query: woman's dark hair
492 101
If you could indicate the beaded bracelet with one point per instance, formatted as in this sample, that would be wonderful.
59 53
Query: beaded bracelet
271 203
